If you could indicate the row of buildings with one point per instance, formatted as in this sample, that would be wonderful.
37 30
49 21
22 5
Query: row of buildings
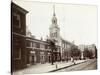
27 50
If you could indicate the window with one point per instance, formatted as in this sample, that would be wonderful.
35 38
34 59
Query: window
17 54
46 46
33 44
16 20
28 44
37 45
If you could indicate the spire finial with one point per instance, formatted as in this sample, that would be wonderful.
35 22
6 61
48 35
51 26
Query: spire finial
54 10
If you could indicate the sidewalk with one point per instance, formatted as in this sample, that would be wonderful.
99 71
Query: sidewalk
47 67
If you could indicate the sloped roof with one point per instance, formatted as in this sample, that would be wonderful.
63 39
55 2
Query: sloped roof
66 41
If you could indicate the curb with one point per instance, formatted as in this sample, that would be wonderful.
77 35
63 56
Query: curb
66 67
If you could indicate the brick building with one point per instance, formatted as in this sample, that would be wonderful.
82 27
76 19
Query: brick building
18 34
39 51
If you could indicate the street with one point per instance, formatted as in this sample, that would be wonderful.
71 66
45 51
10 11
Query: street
89 65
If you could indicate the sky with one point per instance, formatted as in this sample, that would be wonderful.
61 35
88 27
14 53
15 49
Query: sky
76 22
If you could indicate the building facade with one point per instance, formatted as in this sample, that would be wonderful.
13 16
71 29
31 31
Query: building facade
39 51
65 50
18 27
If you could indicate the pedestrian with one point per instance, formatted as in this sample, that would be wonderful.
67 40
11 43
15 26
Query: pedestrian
73 60
56 66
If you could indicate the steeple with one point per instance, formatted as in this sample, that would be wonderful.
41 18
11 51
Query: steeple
54 29
54 19
54 10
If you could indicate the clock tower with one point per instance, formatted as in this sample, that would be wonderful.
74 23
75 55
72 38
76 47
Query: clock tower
54 29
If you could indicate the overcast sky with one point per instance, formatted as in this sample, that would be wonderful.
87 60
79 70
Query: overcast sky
76 22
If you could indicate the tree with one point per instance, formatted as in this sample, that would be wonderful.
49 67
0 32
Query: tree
53 47
87 53
75 52
91 54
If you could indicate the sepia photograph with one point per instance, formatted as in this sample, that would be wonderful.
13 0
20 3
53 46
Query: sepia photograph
53 37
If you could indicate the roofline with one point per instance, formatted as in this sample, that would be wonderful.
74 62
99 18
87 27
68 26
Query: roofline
67 41
19 7
36 39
